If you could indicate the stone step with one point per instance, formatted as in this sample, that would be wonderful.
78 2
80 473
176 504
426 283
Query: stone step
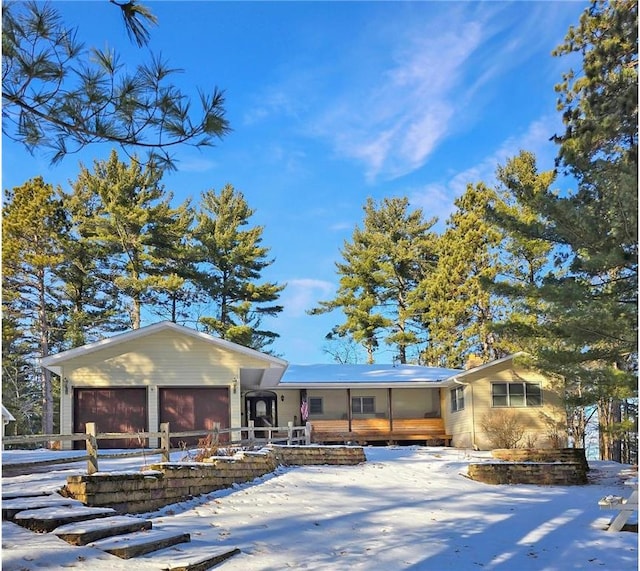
83 532
139 543
47 519
11 507
195 556
12 495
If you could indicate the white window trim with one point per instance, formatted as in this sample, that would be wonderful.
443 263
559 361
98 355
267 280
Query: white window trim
456 400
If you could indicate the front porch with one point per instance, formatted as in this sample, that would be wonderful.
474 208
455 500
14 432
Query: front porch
361 430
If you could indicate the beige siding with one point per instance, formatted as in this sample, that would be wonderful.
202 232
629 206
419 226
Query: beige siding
458 424
160 359
478 404
416 403
289 408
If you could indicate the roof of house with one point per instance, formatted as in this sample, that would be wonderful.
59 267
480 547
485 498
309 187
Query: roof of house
338 375
6 415
54 362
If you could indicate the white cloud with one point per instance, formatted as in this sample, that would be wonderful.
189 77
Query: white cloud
425 74
303 294
393 126
436 199
196 164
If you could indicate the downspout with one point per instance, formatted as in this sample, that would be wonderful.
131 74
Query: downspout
473 413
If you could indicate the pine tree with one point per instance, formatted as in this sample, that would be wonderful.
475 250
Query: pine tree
123 210
230 265
383 265
59 95
591 290
33 222
457 310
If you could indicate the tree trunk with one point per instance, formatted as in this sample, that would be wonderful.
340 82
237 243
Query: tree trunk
45 374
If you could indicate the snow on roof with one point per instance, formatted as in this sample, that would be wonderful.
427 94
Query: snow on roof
364 375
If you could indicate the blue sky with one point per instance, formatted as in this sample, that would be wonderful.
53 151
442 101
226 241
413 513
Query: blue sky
334 102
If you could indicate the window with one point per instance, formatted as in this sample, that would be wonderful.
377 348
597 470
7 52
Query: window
457 399
363 405
516 394
315 405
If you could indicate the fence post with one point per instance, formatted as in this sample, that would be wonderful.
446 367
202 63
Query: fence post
251 434
92 448
165 442
289 433
216 434
307 433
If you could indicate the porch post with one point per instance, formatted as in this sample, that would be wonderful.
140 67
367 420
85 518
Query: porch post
389 409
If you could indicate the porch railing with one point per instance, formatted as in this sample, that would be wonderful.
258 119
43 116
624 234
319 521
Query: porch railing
378 429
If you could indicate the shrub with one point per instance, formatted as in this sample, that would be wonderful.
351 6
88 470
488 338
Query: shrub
503 428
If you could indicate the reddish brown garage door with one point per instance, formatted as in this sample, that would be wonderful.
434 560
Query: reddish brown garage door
113 410
187 408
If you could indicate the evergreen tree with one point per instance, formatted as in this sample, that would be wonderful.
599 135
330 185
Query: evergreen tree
33 222
591 291
173 262
123 210
61 96
457 310
383 265
90 302
230 265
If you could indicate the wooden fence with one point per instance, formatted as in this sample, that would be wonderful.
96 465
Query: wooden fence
289 435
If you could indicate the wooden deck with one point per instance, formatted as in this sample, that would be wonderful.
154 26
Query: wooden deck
379 430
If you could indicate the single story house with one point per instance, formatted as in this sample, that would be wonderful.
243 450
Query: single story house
165 372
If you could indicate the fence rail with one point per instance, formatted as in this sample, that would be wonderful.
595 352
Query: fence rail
289 435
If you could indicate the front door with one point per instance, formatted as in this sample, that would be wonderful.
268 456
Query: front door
262 408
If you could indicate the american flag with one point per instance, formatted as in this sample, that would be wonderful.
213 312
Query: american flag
304 410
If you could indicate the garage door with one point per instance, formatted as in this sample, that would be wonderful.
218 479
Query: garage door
113 410
187 408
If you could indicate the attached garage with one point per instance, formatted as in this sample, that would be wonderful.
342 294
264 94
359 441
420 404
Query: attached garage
194 408
165 372
113 410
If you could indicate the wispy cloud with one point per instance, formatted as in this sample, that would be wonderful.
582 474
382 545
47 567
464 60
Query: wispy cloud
394 126
436 199
392 98
303 294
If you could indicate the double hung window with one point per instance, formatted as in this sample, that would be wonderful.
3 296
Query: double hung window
516 394
363 405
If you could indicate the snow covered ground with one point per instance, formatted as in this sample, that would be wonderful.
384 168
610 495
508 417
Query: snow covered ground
405 508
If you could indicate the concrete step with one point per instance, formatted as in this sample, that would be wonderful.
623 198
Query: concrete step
195 556
139 543
46 519
81 533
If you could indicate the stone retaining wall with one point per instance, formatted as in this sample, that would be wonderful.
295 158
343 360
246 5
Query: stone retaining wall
167 483
563 455
542 473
